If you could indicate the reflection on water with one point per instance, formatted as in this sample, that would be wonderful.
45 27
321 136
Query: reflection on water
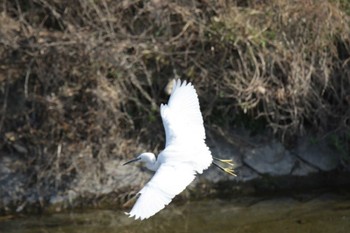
324 214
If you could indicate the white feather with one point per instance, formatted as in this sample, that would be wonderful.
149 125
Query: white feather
185 152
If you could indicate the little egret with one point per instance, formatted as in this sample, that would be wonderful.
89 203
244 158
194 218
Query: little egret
185 153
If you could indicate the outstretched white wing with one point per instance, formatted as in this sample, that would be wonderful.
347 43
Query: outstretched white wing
185 153
182 118
167 182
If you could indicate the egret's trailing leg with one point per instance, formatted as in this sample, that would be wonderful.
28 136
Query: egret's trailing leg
185 154
229 169
227 161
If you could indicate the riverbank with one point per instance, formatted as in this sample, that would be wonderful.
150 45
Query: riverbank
81 84
263 167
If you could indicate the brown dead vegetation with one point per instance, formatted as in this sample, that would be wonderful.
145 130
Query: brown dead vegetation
81 81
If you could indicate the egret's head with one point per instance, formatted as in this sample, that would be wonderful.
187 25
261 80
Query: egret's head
144 157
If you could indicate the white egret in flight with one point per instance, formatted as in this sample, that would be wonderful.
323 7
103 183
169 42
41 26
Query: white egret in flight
185 153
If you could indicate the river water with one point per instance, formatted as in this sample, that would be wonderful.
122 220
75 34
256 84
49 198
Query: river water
302 214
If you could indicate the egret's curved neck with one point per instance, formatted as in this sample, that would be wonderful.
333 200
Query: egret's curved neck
152 164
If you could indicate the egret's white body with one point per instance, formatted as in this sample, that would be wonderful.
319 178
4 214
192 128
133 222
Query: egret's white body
185 153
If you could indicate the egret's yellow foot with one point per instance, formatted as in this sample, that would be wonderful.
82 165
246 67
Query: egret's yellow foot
227 161
230 171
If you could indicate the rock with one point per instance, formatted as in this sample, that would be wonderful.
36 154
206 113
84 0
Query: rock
245 174
56 199
319 155
111 180
12 180
272 159
115 177
303 169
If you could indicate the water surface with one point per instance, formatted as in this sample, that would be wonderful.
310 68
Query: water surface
327 213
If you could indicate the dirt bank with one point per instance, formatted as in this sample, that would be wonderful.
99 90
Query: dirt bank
81 82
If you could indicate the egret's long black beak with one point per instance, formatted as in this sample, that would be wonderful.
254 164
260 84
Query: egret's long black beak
131 161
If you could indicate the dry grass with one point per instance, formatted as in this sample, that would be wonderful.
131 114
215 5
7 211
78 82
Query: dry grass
81 81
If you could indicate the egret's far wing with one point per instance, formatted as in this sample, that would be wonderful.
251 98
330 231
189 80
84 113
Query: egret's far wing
168 181
182 118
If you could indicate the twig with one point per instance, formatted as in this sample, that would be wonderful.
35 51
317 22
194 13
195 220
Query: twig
4 106
26 80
